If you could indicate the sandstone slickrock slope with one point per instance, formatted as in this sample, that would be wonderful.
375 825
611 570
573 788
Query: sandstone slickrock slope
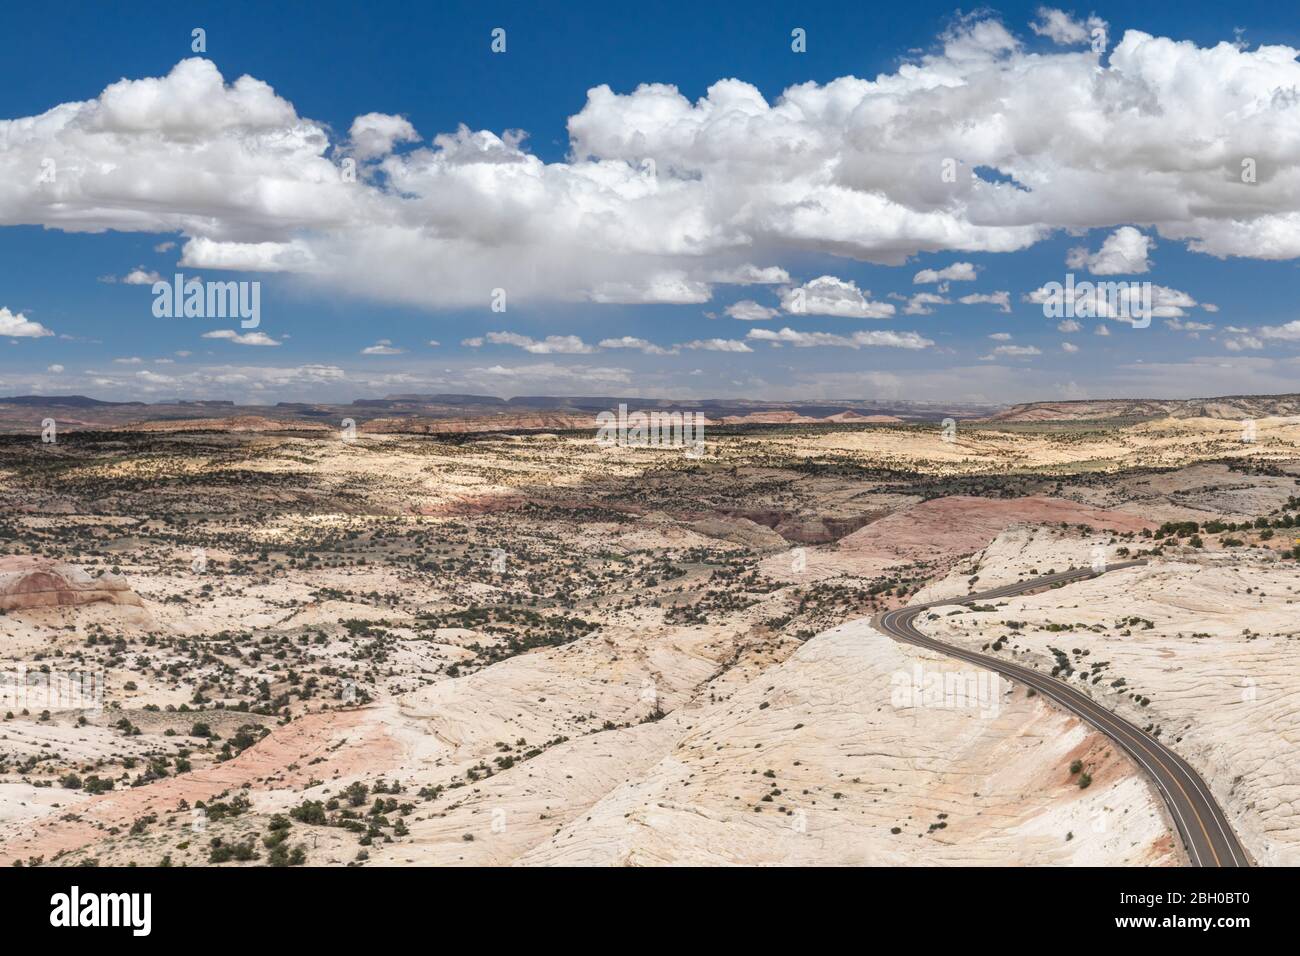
1201 648
820 759
30 582
941 530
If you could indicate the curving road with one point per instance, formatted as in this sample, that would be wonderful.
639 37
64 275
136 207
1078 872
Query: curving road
1205 830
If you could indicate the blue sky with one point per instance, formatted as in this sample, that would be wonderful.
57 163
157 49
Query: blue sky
431 65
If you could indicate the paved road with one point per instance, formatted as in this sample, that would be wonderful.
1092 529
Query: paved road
1205 830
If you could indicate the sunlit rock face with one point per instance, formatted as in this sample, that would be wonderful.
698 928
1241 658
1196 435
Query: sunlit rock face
32 582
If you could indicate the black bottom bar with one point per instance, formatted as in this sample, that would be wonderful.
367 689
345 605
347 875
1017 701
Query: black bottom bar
368 905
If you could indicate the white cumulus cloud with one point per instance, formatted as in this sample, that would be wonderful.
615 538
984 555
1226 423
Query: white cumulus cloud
241 338
747 310
957 272
1124 252
19 326
1062 28
1001 299
551 345
717 345
638 344
1148 137
856 340
828 295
